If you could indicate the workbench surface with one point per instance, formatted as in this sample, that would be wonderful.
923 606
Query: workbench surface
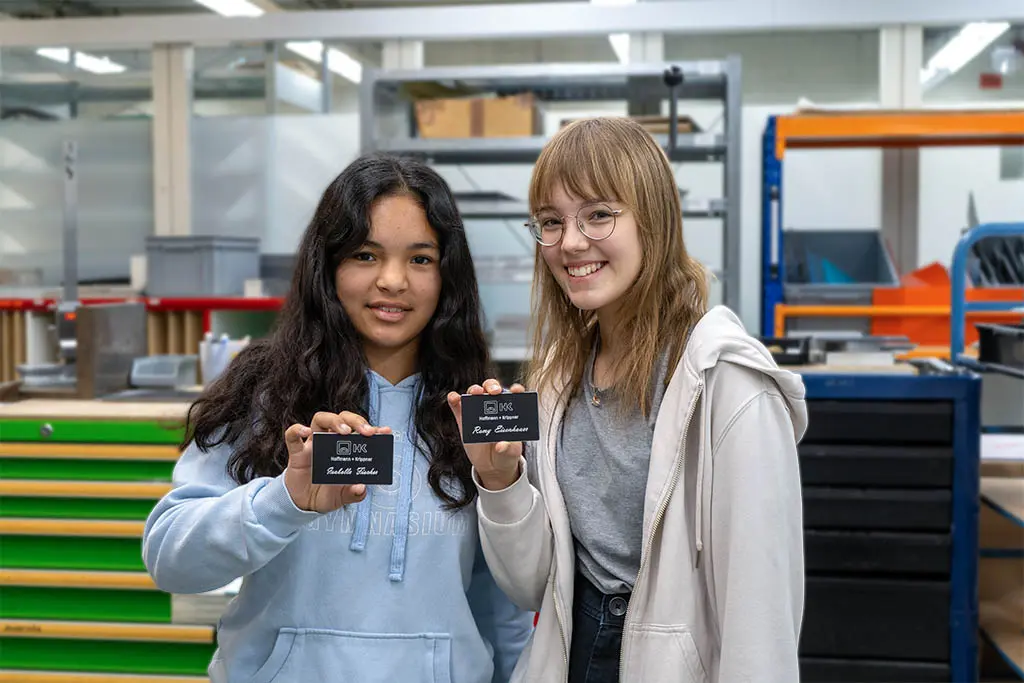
53 409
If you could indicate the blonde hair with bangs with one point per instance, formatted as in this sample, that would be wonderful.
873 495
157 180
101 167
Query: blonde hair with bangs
615 159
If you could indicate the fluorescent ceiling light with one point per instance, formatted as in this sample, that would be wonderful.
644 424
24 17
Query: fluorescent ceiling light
619 41
232 8
337 61
960 50
620 44
83 60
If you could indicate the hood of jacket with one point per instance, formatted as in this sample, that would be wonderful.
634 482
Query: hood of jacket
720 336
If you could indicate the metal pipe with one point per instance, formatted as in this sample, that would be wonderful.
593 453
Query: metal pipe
70 220
958 297
673 79
326 80
67 336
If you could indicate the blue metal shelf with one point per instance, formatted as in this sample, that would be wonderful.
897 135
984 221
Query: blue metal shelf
773 268
959 306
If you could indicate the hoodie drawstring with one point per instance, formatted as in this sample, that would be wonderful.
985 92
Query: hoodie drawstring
409 450
701 458
363 510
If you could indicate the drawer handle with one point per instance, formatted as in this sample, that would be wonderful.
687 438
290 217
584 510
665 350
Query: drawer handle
46 430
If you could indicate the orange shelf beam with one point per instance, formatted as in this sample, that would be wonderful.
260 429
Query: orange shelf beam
784 311
910 128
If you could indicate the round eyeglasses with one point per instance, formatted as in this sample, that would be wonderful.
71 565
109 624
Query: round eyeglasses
596 222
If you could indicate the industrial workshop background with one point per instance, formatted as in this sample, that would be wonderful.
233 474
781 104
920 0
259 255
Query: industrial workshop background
851 172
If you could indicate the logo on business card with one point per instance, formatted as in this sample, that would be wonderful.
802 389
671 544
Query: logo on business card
490 407
349 448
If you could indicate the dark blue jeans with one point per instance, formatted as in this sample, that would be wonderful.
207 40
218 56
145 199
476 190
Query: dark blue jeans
597 621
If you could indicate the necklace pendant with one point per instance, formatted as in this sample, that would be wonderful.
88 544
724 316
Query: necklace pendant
595 400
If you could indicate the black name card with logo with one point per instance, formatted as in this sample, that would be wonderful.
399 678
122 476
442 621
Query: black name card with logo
505 417
353 458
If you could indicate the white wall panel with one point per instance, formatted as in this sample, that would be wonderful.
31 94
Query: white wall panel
115 211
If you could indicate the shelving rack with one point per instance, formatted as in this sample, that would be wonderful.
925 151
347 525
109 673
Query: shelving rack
388 124
857 129
1001 566
960 307
175 325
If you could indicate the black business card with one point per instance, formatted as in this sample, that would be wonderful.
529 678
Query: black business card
505 417
353 458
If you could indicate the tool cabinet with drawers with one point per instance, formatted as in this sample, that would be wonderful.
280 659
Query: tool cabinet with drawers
889 467
77 480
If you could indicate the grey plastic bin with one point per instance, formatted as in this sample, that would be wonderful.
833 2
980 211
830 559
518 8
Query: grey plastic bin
835 268
200 265
276 272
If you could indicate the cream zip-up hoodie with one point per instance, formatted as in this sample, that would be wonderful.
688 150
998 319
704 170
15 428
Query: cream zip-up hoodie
720 593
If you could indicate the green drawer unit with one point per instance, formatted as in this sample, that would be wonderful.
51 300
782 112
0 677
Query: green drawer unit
85 469
105 648
75 508
85 604
77 481
90 431
88 500
55 551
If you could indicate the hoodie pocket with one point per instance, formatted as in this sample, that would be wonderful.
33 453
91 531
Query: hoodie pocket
304 655
660 653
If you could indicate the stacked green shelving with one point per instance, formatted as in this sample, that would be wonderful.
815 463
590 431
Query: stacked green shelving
77 481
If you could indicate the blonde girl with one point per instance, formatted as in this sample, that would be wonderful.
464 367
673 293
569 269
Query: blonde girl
656 525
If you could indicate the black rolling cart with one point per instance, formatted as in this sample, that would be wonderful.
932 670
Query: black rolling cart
889 468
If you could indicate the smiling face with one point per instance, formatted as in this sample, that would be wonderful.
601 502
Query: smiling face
390 287
593 274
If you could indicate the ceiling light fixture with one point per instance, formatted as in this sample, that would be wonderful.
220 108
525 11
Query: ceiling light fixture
83 60
232 8
967 44
619 41
337 61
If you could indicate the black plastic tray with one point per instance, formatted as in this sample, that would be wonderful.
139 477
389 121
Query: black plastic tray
879 422
876 466
1001 345
877 552
877 509
876 619
789 350
814 670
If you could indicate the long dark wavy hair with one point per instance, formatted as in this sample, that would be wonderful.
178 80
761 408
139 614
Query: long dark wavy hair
313 360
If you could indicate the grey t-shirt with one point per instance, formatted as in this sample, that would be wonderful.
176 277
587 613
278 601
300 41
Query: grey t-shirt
602 463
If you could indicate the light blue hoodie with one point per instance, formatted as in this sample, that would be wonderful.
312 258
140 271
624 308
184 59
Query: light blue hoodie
394 589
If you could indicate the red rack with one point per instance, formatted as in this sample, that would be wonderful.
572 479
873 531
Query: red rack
204 305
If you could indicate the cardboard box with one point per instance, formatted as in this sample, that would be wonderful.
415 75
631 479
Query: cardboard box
659 125
486 117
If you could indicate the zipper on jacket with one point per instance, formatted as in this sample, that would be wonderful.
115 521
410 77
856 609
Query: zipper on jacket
558 618
554 574
680 461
